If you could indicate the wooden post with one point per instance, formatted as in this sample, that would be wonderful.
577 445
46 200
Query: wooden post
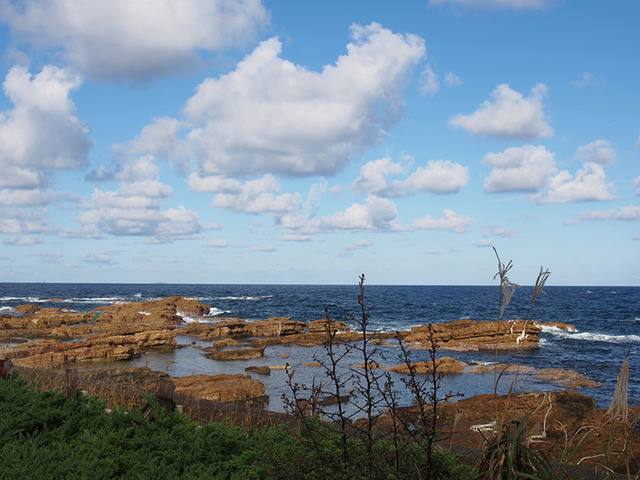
165 395
70 382
5 368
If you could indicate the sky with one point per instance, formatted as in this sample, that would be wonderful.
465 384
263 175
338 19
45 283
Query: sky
249 141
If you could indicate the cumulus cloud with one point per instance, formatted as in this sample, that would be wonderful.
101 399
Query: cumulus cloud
429 81
42 132
272 116
599 151
438 176
519 169
31 197
589 184
509 116
376 214
373 176
18 221
496 4
123 39
450 221
135 208
256 196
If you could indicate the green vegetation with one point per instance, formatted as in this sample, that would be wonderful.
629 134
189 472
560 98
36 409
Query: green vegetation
42 435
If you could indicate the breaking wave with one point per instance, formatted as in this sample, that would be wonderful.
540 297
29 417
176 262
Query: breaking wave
591 336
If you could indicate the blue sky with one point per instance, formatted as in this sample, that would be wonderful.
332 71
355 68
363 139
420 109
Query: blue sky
215 141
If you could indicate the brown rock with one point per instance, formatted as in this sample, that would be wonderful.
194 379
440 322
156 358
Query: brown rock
220 388
259 370
27 308
477 335
237 354
444 365
124 344
321 326
500 368
566 378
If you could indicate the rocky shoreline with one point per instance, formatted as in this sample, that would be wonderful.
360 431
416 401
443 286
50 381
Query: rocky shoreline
51 338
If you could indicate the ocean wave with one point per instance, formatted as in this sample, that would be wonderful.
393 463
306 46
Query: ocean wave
592 336
6 309
551 329
23 299
246 297
186 318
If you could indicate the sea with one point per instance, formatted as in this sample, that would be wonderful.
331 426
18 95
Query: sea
606 319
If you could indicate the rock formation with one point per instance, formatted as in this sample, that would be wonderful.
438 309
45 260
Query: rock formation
477 335
221 388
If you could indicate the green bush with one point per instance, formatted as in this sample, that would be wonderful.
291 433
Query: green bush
44 436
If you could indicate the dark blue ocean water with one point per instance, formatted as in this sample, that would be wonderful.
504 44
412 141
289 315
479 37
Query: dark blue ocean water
607 321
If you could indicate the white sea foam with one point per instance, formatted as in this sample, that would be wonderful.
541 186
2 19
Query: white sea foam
551 329
591 336
186 318
245 297
6 309
213 311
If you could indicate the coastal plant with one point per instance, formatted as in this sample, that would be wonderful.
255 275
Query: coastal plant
373 436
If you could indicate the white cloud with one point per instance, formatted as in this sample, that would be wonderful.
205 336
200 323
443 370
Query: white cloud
450 221
599 151
97 257
589 184
296 237
257 196
42 132
135 208
263 248
438 176
630 213
588 79
637 184
137 39
429 81
19 241
220 243
452 80
509 116
373 176
519 169
359 245
272 116
18 221
376 214
498 231
32 197
496 4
